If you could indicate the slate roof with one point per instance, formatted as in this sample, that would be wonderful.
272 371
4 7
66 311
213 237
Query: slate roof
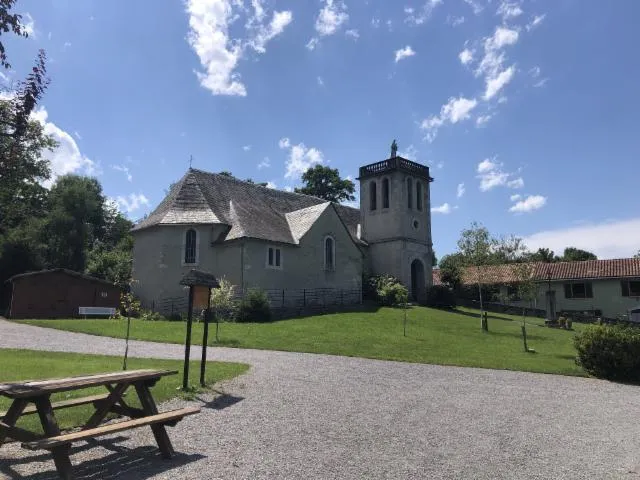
249 210
585 270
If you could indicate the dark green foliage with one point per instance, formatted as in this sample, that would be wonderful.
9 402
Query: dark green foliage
254 307
451 267
388 290
440 296
572 254
324 182
9 22
610 351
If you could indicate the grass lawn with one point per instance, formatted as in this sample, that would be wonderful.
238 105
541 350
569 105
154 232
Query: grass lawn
32 365
433 336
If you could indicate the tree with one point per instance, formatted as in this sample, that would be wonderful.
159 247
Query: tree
477 247
75 220
324 182
572 254
637 255
544 255
9 22
451 267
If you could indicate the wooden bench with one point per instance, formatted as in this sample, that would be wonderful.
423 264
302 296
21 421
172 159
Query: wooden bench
39 393
102 311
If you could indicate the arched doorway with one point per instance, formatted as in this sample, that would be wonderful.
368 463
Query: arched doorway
417 280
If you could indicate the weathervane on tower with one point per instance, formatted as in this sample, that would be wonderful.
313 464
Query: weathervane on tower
394 149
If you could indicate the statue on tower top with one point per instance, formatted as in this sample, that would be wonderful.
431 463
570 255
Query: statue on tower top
394 149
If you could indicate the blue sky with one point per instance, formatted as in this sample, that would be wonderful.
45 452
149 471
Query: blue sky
525 110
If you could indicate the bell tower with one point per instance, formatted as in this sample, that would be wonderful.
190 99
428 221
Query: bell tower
395 219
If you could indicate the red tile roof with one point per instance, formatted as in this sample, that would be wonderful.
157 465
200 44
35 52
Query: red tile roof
588 269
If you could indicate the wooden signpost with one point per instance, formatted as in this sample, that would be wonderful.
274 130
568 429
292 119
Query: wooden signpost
197 280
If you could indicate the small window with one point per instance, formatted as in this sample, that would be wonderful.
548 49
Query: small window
630 288
103 294
409 193
512 293
190 247
419 196
385 193
274 257
373 195
329 253
578 290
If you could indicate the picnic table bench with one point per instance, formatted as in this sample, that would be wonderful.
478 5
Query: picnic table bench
39 394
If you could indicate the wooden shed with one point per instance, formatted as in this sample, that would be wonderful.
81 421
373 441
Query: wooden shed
59 293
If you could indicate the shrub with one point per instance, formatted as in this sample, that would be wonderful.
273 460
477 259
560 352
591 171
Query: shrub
388 290
151 316
610 351
223 300
255 307
440 296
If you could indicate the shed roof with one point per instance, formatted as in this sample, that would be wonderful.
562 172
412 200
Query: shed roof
198 277
65 271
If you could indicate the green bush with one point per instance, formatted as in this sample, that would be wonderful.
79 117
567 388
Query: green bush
440 296
610 351
388 290
254 307
151 316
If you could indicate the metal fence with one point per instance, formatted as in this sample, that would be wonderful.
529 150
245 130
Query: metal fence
284 302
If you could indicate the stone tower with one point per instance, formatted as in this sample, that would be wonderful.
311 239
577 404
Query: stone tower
395 218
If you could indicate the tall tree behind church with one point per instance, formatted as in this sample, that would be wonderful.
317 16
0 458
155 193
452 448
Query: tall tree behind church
325 182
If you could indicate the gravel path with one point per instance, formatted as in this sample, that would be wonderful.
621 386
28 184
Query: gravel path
310 416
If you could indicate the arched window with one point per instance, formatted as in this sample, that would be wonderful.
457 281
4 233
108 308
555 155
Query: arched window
190 244
385 193
329 253
373 195
419 196
409 193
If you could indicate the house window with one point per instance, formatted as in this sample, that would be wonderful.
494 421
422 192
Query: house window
419 196
409 193
274 257
190 243
385 193
103 294
512 293
630 288
578 290
373 195
329 253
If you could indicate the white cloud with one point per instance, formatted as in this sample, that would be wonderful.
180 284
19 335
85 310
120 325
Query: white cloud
529 204
375 22
284 143
77 135
497 83
131 202
475 6
508 10
465 56
410 153
614 239
271 185
331 17
124 169
288 189
482 120
219 54
455 21
266 163
320 82
66 45
28 24
445 209
353 33
246 148
541 83
516 183
300 158
492 175
454 111
515 197
537 20
460 191
423 14
405 52
66 158
535 71
312 44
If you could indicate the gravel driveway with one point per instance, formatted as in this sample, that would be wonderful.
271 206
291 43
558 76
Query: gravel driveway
308 416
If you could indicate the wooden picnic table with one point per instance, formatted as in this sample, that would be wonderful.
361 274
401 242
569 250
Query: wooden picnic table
39 394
